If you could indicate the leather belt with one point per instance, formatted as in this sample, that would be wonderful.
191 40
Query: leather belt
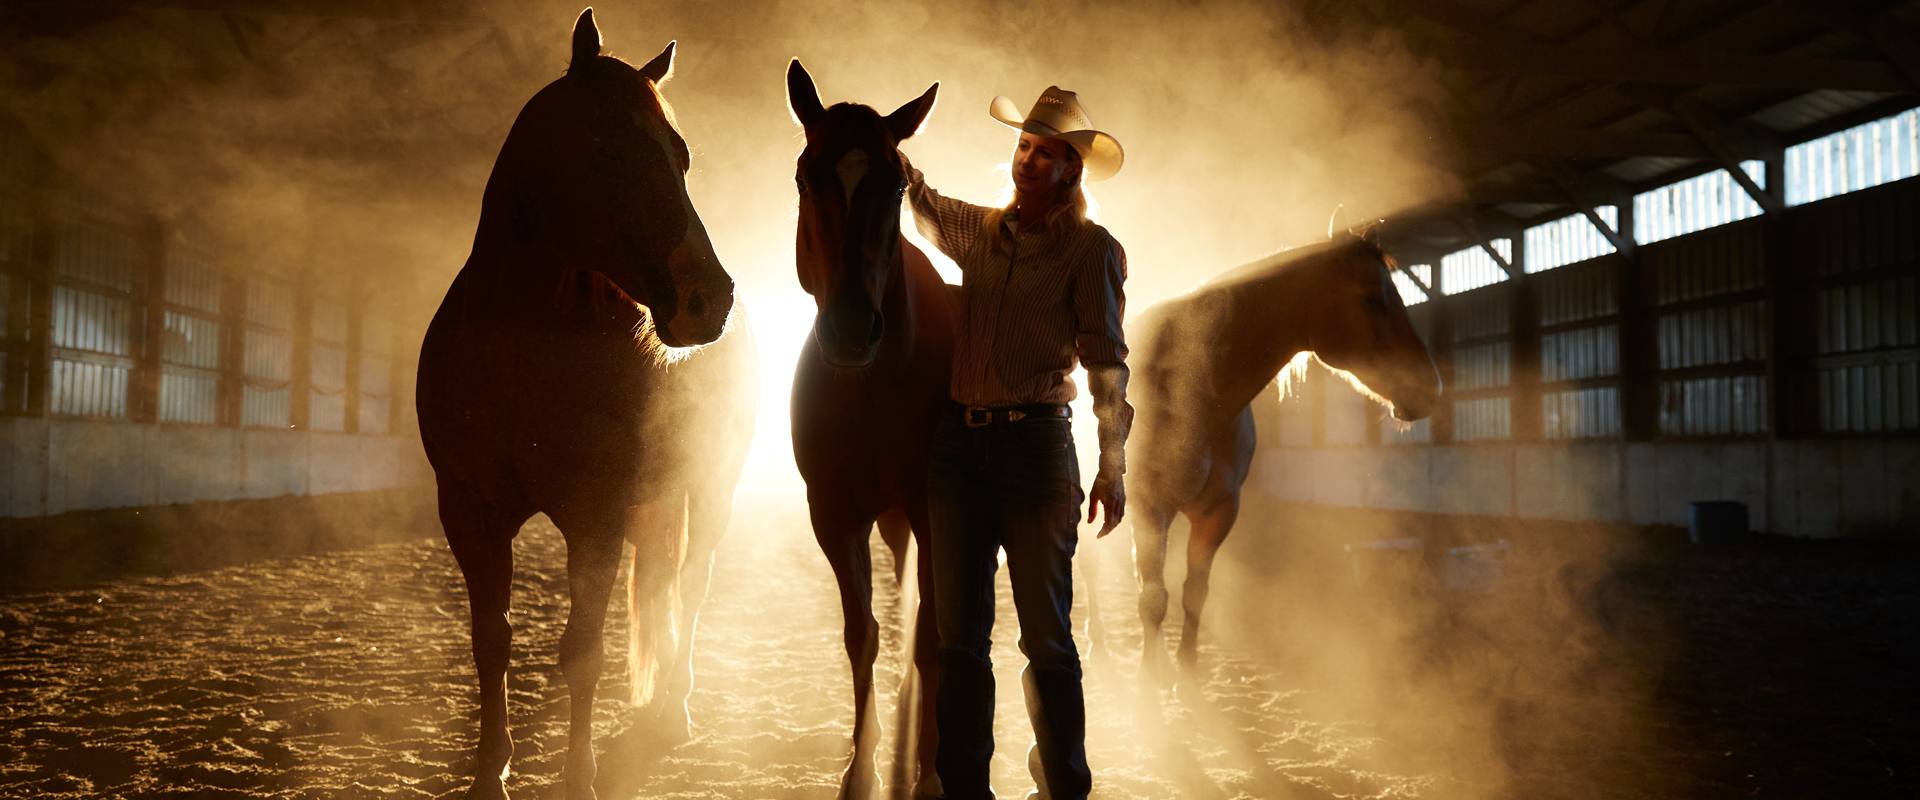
978 417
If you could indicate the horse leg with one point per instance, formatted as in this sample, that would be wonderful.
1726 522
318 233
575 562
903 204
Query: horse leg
483 546
655 530
1210 527
1090 569
708 514
1150 568
593 559
926 660
842 536
895 529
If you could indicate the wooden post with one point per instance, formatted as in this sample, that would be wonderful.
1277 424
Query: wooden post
355 318
1523 362
38 334
300 387
1639 341
233 346
150 335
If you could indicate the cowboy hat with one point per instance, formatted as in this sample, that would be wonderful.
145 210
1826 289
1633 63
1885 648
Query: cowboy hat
1058 115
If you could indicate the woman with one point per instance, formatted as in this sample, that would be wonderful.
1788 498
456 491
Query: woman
1041 289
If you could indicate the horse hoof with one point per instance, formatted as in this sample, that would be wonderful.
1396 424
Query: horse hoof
929 788
1188 688
861 782
673 723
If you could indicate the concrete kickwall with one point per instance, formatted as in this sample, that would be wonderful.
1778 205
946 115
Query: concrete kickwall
1798 488
49 467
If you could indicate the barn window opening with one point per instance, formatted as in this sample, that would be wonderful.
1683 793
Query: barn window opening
1861 157
1569 240
1472 268
1695 204
1410 292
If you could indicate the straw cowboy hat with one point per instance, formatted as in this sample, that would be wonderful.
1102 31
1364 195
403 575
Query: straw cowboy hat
1059 115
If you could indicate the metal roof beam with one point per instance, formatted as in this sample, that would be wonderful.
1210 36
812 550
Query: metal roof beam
1710 130
1467 224
1894 38
1578 143
1569 181
1485 55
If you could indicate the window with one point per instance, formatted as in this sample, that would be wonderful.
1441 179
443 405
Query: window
97 254
190 343
376 373
1857 158
1695 204
1569 240
1472 268
268 363
328 411
1410 292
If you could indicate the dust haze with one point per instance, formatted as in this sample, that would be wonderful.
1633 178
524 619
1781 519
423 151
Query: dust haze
1245 124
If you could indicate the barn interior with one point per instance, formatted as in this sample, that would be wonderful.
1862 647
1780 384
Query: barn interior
1657 539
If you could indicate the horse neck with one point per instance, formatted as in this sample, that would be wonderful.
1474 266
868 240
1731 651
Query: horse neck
517 285
1268 325
900 307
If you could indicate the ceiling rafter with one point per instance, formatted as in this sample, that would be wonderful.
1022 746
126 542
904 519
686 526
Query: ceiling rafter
1568 181
1477 54
1582 143
1881 30
1467 223
1706 125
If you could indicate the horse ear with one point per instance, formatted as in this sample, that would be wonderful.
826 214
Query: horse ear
1337 224
802 98
906 120
586 40
661 67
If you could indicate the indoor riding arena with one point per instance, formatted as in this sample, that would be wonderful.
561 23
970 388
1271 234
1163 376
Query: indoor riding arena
1657 537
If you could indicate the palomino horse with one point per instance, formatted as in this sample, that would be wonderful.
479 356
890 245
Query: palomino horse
1198 361
540 373
871 381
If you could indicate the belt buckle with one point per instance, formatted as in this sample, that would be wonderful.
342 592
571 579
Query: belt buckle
984 417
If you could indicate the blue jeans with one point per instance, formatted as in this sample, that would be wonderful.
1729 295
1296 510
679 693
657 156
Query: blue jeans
1014 486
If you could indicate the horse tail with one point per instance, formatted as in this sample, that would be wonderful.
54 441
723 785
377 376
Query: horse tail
653 584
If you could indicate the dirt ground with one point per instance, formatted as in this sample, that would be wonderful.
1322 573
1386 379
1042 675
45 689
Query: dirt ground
1772 669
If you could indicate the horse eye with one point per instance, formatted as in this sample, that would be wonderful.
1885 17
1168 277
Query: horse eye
800 182
902 191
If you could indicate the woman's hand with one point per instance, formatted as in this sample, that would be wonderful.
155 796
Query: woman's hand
1110 491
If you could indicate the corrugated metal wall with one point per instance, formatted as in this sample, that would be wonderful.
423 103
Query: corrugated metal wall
376 373
1705 315
1862 250
190 349
329 365
266 395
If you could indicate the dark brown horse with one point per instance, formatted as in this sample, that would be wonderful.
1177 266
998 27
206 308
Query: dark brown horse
541 374
1198 361
871 382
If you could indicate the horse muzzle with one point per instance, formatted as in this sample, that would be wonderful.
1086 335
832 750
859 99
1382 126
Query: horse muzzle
849 340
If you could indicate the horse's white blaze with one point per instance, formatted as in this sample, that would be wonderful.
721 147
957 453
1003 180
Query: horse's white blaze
852 168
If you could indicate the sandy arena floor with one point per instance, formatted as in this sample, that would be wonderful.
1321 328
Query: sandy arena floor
348 675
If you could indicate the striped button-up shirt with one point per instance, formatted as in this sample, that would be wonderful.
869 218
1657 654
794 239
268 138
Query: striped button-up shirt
1033 303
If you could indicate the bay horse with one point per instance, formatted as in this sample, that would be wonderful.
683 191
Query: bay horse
1198 361
540 373
871 382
